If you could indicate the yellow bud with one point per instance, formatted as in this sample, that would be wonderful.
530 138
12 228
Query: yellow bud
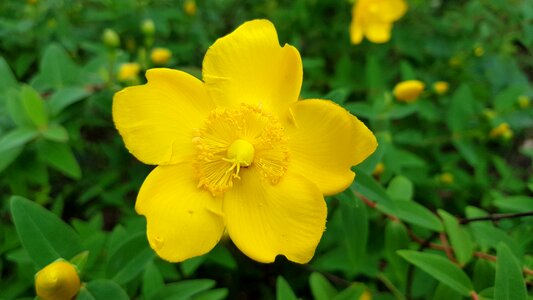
57 281
503 130
479 51
110 38
446 178
523 101
160 56
408 91
378 169
189 7
148 27
128 71
365 295
441 87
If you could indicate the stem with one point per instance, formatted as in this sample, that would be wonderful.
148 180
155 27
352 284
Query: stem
397 294
474 295
496 217
447 249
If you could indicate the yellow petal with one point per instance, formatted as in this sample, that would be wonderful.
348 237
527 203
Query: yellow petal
392 10
378 32
156 119
356 29
325 141
266 220
182 220
249 66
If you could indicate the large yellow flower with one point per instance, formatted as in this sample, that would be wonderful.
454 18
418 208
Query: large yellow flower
238 151
374 18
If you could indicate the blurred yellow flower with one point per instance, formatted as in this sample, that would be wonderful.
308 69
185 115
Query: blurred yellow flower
160 56
446 178
378 169
523 101
408 91
57 281
501 131
366 295
189 7
128 71
373 19
238 151
441 87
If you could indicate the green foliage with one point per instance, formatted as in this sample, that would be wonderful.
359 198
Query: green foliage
447 217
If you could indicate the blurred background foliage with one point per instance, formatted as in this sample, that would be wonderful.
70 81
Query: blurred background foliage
441 160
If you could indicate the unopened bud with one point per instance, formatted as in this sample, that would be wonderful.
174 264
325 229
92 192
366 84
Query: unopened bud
57 281
148 27
110 38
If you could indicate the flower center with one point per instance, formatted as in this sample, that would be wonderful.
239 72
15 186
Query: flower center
234 140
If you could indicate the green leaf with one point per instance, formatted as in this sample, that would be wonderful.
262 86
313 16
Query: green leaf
65 97
321 288
102 289
214 294
12 144
80 260
400 188
56 69
443 292
460 239
520 203
8 79
283 290
184 290
361 110
368 187
34 106
55 133
152 281
130 259
44 236
484 275
355 227
60 157
509 284
354 291
396 238
189 266
407 70
441 269
414 213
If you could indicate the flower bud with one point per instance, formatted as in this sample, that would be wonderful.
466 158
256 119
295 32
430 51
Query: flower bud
441 87
128 71
57 281
160 56
189 7
501 131
446 178
408 91
110 38
148 27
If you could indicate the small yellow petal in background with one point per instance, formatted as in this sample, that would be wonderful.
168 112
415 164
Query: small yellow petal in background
441 87
160 56
265 220
325 141
249 66
183 221
128 71
156 120
409 90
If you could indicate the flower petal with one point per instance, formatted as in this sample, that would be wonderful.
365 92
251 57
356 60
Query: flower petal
182 220
378 31
249 66
392 10
156 120
264 220
325 141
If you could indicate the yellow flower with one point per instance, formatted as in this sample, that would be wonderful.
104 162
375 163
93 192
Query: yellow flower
441 87
366 295
379 169
128 71
408 91
189 7
501 131
523 101
57 281
373 19
160 56
238 151
446 178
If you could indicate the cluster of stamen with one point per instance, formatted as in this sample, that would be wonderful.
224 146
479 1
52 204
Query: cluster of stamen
233 139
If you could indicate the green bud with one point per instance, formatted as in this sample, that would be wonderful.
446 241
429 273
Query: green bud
110 38
148 27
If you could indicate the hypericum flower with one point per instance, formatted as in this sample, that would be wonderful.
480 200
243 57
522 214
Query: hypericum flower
373 19
501 131
57 281
408 91
189 7
238 151
441 87
128 71
160 56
